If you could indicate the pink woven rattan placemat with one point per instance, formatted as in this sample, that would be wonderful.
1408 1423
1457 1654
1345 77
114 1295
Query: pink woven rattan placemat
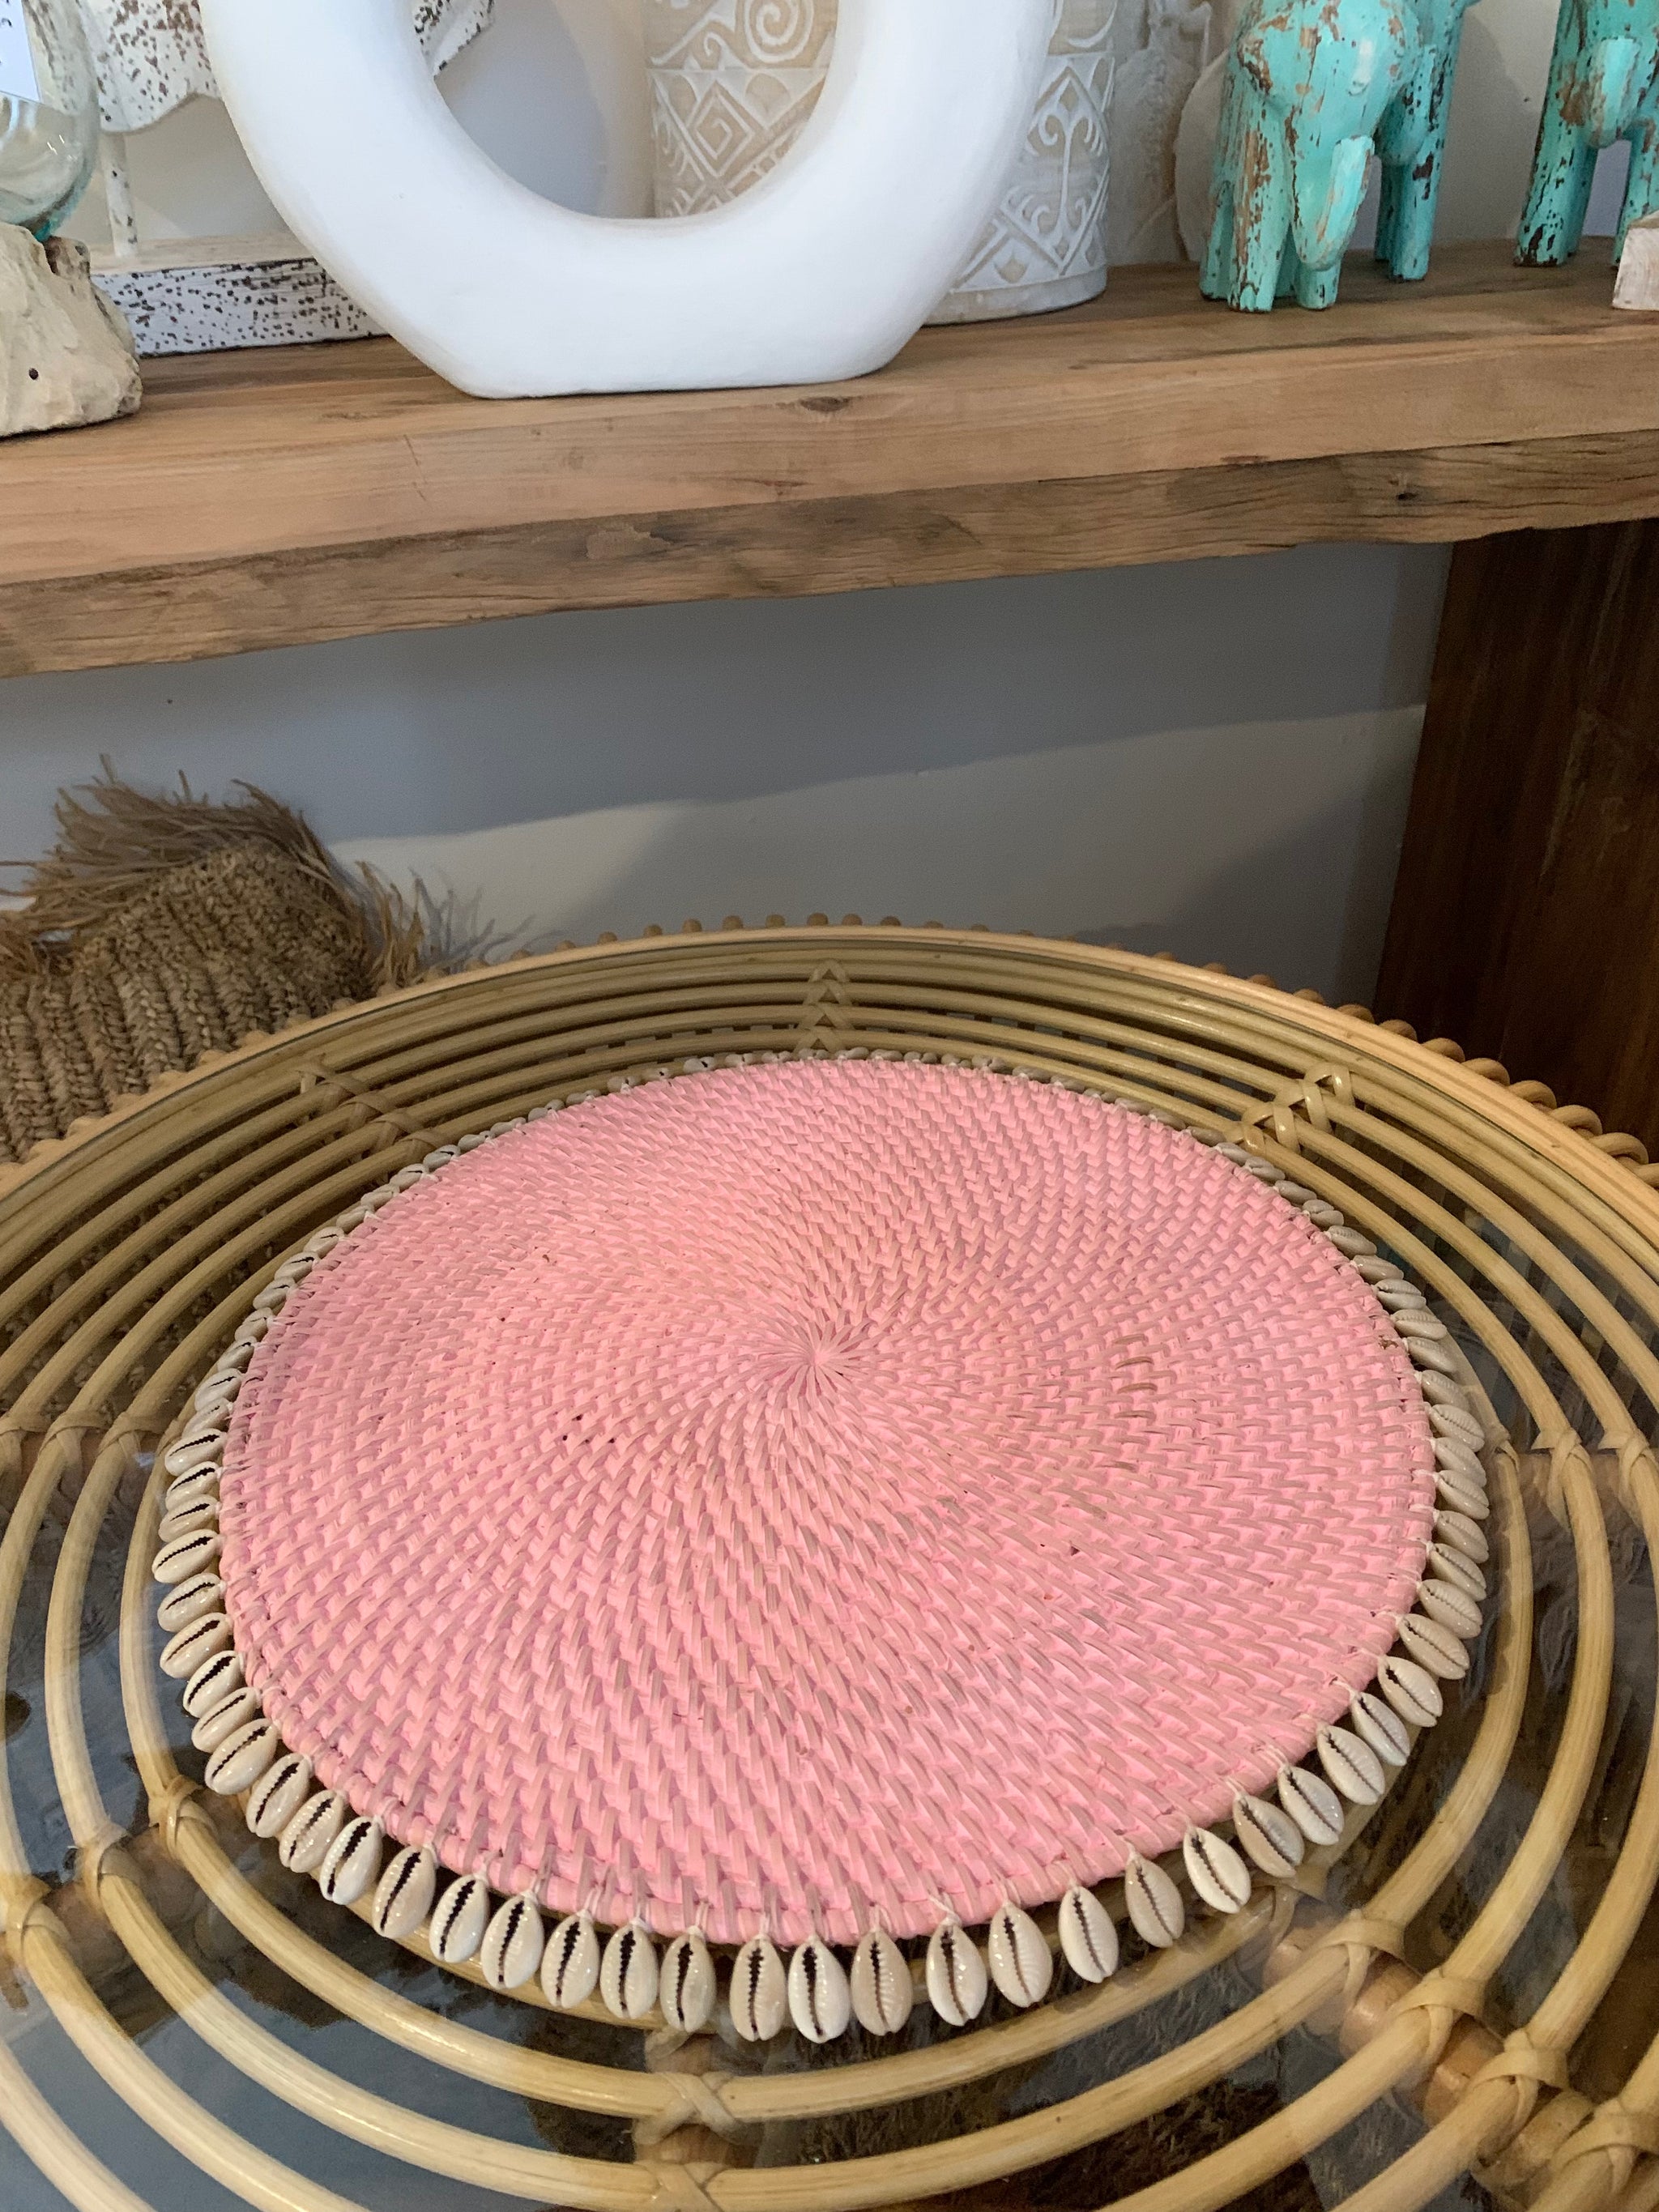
788 1495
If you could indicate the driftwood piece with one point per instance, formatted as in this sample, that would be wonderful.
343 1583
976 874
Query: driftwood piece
1638 266
66 357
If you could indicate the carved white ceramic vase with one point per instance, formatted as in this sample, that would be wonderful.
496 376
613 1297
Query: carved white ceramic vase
732 82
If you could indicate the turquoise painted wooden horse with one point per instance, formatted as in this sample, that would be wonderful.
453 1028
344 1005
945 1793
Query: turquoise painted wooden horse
1604 85
1307 86
1411 143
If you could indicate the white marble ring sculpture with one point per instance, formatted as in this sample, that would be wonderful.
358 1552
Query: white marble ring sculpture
823 271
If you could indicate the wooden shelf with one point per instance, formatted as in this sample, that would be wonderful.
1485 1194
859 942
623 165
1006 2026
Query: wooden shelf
264 499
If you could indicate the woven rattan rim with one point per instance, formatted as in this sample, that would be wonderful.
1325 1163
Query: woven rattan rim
132 1249
1203 1695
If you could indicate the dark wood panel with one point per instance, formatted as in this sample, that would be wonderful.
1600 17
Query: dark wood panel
1525 917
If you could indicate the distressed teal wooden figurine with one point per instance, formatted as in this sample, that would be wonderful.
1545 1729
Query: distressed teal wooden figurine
1313 88
1604 85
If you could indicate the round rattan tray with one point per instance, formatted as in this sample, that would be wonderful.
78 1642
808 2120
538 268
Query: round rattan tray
1470 1981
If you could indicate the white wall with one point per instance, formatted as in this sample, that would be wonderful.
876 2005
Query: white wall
1215 758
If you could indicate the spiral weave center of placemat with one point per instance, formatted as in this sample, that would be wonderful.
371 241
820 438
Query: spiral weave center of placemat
794 1496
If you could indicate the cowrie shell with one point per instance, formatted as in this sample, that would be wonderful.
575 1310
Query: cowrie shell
406 1178
1381 1729
883 1992
957 1984
1459 1460
204 1428
353 1865
1021 1965
1413 1321
1216 1871
1452 1607
1088 1936
191 1601
212 1682
1376 1269
687 1988
1433 1645
403 1896
1446 1390
570 1964
272 1298
458 1920
324 1242
512 1944
443 1156
1456 1426
278 1793
242 1758
759 1992
1447 1564
233 1359
1352 1243
1311 1803
253 1329
1350 1764
1401 1298
186 1556
188 1520
1322 1213
233 1710
1411 1690
1437 1357
1456 1532
197 1642
1461 1497
180 1460
1269 1836
305 1839
219 1389
192 1489
820 1999
1156 1910
628 1972
1293 1194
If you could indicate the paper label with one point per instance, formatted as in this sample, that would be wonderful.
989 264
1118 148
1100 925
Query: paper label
17 77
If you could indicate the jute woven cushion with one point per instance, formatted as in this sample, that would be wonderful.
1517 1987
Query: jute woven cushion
818 1505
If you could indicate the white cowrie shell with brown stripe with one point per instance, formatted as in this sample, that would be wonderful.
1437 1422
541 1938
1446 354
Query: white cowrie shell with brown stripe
184 1556
1021 1965
628 1972
278 1795
1216 1871
353 1865
197 1642
458 1920
687 1989
957 1984
1377 1725
1435 1646
1311 1803
1154 1903
512 1944
231 1711
820 1999
1351 1766
760 1992
883 1992
305 1839
191 1601
1411 1690
1451 1606
570 1964
182 1460
212 1682
403 1896
1269 1836
242 1758
189 1520
1088 1936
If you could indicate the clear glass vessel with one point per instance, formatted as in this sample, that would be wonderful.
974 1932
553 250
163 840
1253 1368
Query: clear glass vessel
49 118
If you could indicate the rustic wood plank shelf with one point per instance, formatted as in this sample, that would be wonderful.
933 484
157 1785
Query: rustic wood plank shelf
266 499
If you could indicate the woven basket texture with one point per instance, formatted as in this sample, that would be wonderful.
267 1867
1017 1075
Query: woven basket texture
1471 1984
792 1497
